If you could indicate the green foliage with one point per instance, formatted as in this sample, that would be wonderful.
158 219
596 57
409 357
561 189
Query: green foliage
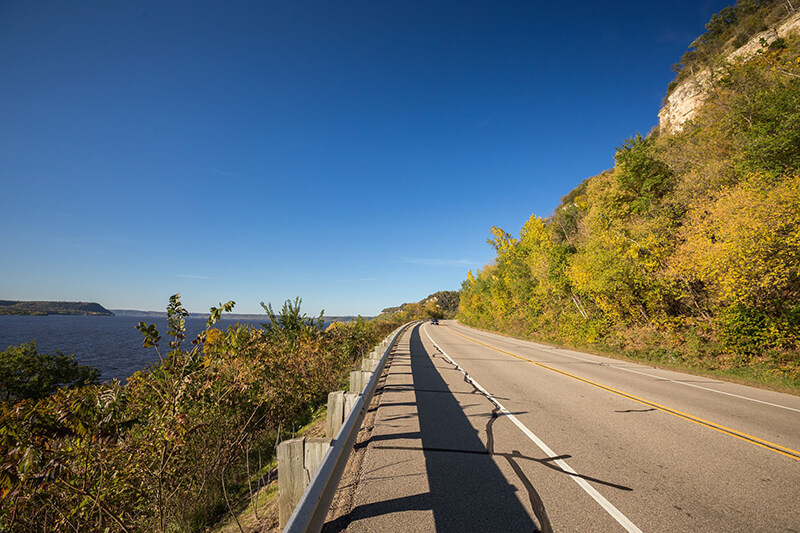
643 179
729 29
748 331
27 374
766 124
777 44
739 41
719 24
290 321
446 303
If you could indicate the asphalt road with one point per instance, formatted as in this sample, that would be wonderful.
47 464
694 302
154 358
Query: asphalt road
473 431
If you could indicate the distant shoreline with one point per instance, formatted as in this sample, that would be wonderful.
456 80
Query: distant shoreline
44 308
226 316
48 308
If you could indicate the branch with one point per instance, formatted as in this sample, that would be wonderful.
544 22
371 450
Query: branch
228 503
103 508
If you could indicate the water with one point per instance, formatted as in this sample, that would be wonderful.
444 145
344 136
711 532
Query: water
110 343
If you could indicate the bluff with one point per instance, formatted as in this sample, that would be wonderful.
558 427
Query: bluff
687 93
441 304
14 307
687 251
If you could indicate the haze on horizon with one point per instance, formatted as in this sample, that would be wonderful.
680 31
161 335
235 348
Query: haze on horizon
353 154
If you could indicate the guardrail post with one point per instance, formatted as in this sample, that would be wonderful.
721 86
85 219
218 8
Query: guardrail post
336 413
291 477
350 399
312 507
298 460
358 379
368 365
315 448
355 380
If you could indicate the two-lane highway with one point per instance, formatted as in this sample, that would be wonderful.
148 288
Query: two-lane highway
476 431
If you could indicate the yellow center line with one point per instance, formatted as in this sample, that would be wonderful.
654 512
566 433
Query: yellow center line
788 452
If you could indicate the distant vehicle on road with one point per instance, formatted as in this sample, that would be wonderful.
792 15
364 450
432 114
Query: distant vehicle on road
435 321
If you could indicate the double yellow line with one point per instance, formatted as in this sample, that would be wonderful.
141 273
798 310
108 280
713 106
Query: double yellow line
788 452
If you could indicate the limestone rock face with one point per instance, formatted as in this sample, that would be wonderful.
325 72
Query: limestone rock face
684 101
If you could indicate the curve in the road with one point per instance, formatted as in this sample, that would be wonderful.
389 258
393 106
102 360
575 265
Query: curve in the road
788 452
562 353
615 513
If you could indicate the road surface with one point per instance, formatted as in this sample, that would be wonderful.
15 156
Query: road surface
473 431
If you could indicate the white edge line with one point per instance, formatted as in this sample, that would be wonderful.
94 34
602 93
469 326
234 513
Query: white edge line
591 491
536 346
708 389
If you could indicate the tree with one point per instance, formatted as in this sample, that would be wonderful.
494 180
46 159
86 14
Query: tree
27 374
290 321
643 178
745 247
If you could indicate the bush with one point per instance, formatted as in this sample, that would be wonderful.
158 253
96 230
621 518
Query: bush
166 451
748 331
27 374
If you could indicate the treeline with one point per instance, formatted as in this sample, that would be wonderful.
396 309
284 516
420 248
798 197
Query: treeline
729 29
180 444
441 304
687 251
13 307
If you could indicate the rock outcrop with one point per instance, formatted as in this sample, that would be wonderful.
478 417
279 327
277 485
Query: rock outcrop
687 97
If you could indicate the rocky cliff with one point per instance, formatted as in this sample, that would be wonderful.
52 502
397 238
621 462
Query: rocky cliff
684 100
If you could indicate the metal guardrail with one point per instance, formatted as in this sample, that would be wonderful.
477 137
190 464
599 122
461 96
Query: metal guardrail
310 512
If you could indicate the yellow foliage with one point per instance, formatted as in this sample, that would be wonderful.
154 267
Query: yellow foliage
746 243
213 336
333 326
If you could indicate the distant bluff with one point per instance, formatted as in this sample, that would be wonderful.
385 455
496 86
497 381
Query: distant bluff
14 307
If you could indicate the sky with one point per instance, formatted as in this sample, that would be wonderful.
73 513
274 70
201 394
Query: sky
352 153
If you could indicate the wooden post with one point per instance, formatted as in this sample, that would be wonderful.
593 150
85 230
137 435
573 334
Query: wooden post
350 399
359 380
336 413
355 381
291 477
316 447
298 460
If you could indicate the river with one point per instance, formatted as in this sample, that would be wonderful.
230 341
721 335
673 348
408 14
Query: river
110 343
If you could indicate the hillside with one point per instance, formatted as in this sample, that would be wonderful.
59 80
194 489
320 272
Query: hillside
13 307
441 304
687 251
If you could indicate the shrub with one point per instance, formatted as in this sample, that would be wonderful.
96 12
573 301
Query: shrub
163 452
27 374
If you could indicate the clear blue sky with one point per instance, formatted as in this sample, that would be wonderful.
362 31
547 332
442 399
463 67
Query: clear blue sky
352 153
